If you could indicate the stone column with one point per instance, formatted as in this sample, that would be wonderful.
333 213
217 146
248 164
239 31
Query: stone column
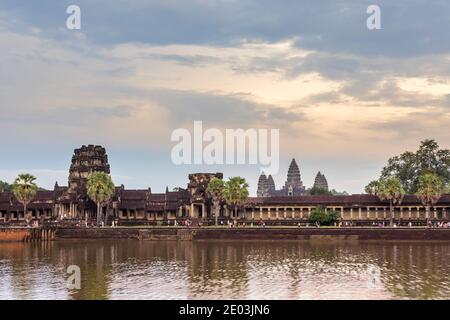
376 213
191 211
284 213
409 213
260 212
309 212
301 213
276 213
253 213
293 213
359 214
351 213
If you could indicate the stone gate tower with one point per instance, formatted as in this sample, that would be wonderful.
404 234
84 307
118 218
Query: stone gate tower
86 160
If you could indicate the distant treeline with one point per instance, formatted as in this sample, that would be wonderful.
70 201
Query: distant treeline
5 186
315 191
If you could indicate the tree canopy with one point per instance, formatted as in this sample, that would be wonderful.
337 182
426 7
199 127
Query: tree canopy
319 191
391 189
235 191
430 189
324 217
25 188
388 189
215 191
100 189
5 186
215 188
409 166
373 187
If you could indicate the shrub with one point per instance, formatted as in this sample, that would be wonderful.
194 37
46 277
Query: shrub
323 216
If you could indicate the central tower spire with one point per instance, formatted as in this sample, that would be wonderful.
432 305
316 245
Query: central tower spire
294 183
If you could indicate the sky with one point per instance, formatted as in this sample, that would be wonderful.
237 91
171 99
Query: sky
345 98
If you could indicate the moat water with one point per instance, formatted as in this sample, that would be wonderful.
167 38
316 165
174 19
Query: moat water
226 270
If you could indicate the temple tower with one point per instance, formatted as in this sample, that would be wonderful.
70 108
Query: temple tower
86 160
270 184
263 186
198 183
294 184
320 182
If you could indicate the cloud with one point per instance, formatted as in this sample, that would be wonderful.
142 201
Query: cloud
417 125
137 70
371 81
195 60
68 116
223 110
409 28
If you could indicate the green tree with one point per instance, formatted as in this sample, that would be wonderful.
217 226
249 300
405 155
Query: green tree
100 189
322 216
390 189
25 189
430 189
215 191
372 188
409 166
235 192
316 191
5 186
338 193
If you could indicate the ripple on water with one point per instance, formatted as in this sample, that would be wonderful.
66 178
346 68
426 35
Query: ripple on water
227 270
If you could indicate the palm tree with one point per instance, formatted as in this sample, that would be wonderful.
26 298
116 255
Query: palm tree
215 190
25 189
391 189
100 189
430 189
235 192
372 188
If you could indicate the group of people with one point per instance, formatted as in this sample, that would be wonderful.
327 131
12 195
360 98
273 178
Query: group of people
262 223
187 223
431 224
438 224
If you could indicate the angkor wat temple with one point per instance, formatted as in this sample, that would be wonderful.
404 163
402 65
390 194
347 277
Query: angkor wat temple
293 185
286 206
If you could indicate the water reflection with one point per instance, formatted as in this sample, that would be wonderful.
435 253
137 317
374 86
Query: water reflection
231 270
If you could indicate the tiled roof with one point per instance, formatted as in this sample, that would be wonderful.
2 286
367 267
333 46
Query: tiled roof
139 199
345 200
